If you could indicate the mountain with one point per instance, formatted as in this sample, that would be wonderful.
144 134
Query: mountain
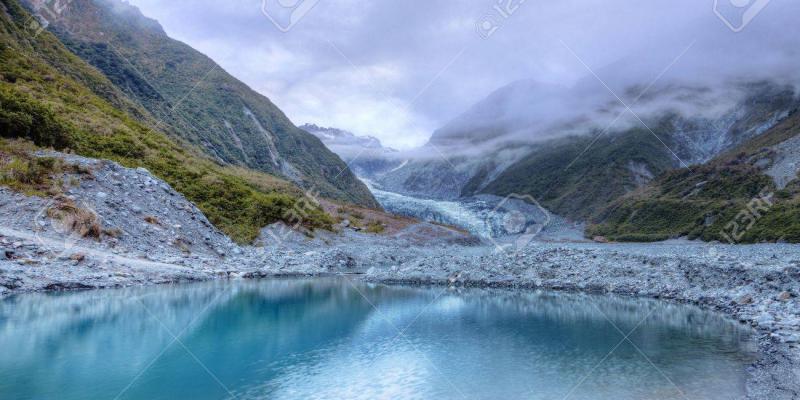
365 155
54 99
746 195
345 141
552 143
194 99
576 177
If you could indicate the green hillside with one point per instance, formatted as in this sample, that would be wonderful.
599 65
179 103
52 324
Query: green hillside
575 182
194 99
728 199
577 177
54 99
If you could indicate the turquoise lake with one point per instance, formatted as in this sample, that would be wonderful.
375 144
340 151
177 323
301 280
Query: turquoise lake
344 339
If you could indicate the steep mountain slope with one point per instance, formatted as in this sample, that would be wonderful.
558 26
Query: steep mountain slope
576 178
52 98
573 182
749 194
518 142
196 100
430 173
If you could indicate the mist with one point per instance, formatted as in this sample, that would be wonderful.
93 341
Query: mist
400 71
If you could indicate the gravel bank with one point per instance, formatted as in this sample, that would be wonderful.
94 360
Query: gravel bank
757 285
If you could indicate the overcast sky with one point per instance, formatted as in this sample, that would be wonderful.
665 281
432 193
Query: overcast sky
399 69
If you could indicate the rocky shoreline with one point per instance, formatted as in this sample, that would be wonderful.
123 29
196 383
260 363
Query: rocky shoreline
758 294
164 239
759 289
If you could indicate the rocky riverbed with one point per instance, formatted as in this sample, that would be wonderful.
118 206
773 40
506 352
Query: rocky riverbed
156 236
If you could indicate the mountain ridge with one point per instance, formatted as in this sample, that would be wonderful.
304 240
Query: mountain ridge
52 98
194 99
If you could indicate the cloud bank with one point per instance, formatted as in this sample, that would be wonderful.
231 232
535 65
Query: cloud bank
398 70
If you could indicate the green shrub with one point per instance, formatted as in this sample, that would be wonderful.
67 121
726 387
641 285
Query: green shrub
23 117
375 227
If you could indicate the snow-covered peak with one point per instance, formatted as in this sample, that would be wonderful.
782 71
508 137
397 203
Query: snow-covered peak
339 137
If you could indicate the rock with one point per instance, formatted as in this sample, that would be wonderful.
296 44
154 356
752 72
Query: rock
790 338
746 299
765 320
600 239
784 296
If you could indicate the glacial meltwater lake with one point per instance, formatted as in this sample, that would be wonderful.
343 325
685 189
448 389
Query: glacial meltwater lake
341 339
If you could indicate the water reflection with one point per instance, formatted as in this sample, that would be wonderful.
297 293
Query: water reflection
300 339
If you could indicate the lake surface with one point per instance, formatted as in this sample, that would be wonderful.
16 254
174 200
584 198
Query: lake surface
339 339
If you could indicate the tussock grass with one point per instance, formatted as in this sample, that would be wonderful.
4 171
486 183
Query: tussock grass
26 173
75 219
375 227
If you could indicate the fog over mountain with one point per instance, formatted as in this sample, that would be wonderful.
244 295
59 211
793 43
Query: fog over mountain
409 68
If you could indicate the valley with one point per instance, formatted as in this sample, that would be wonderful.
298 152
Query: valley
134 165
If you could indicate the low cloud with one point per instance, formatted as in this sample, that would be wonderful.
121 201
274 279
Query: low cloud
389 69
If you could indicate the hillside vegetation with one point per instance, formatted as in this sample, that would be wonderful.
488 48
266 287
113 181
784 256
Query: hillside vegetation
573 179
194 99
50 97
730 199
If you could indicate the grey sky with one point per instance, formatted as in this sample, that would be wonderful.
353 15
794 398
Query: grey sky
400 69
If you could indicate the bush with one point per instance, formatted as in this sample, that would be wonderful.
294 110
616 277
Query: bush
25 173
375 227
23 117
